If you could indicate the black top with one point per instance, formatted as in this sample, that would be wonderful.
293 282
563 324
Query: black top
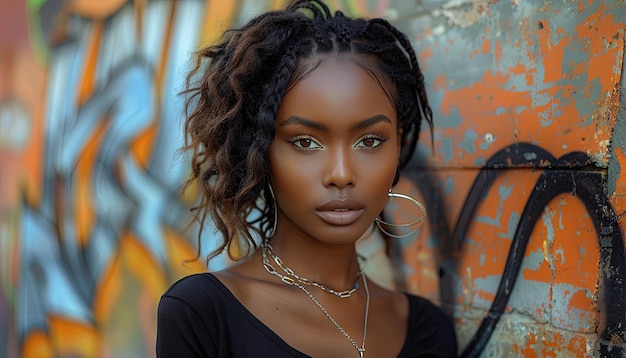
199 317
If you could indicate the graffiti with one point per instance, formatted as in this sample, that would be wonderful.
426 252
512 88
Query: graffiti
106 236
589 187
584 183
524 244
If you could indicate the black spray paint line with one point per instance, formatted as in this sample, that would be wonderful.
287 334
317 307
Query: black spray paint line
589 187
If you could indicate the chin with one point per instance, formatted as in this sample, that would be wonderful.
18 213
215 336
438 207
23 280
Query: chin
344 235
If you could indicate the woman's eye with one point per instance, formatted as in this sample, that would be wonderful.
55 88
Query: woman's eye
305 143
370 142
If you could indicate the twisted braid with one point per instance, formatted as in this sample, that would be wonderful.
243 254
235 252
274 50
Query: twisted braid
258 152
319 9
419 76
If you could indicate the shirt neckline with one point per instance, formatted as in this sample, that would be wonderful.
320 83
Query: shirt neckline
263 328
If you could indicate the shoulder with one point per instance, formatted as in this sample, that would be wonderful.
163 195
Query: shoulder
199 316
189 317
218 293
192 286
430 329
421 307
201 293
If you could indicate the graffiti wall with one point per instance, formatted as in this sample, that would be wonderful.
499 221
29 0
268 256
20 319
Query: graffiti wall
525 188
525 191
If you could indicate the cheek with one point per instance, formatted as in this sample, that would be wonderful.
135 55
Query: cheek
286 176
383 166
377 176
381 171
288 172
387 173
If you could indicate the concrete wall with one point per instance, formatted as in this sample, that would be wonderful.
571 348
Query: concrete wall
524 191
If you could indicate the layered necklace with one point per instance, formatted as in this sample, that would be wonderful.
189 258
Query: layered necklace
292 279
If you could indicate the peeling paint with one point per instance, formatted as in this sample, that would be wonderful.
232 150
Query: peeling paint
503 192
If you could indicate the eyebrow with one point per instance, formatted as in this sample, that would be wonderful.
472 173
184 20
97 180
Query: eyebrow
309 123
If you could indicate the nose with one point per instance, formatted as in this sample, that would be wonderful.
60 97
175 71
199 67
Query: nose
340 172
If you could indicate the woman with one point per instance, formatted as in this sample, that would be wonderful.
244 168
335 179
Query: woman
303 123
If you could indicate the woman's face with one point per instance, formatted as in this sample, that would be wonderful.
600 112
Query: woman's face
335 153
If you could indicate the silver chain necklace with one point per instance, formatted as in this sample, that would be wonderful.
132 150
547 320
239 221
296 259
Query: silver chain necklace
304 280
292 282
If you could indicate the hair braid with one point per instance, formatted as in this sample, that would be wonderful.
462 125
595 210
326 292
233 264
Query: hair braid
311 5
273 94
421 89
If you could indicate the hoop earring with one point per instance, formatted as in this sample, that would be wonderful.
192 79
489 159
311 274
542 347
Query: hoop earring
380 222
271 233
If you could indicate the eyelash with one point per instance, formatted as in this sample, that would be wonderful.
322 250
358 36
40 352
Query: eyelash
298 139
379 138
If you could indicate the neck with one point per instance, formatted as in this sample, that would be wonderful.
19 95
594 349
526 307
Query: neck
335 266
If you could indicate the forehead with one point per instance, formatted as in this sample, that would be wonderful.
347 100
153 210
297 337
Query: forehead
337 88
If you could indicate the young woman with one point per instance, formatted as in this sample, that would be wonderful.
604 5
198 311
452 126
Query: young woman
298 125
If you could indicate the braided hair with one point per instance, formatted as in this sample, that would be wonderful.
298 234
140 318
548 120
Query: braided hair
235 89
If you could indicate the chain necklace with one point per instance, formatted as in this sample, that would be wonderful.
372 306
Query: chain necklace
293 282
304 280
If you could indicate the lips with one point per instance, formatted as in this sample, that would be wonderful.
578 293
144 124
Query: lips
340 212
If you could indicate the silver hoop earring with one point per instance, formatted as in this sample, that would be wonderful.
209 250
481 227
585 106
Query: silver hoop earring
271 233
417 223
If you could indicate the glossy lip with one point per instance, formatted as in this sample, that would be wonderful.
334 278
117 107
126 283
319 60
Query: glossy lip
340 212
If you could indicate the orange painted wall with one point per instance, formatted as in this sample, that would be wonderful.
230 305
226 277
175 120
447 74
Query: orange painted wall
525 184
524 191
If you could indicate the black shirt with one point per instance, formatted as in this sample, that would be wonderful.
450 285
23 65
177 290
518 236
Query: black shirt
199 317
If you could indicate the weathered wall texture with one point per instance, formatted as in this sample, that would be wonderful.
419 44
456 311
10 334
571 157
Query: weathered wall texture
525 191
525 215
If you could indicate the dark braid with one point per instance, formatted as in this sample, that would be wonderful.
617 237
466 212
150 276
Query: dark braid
313 5
317 12
267 112
237 86
421 89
